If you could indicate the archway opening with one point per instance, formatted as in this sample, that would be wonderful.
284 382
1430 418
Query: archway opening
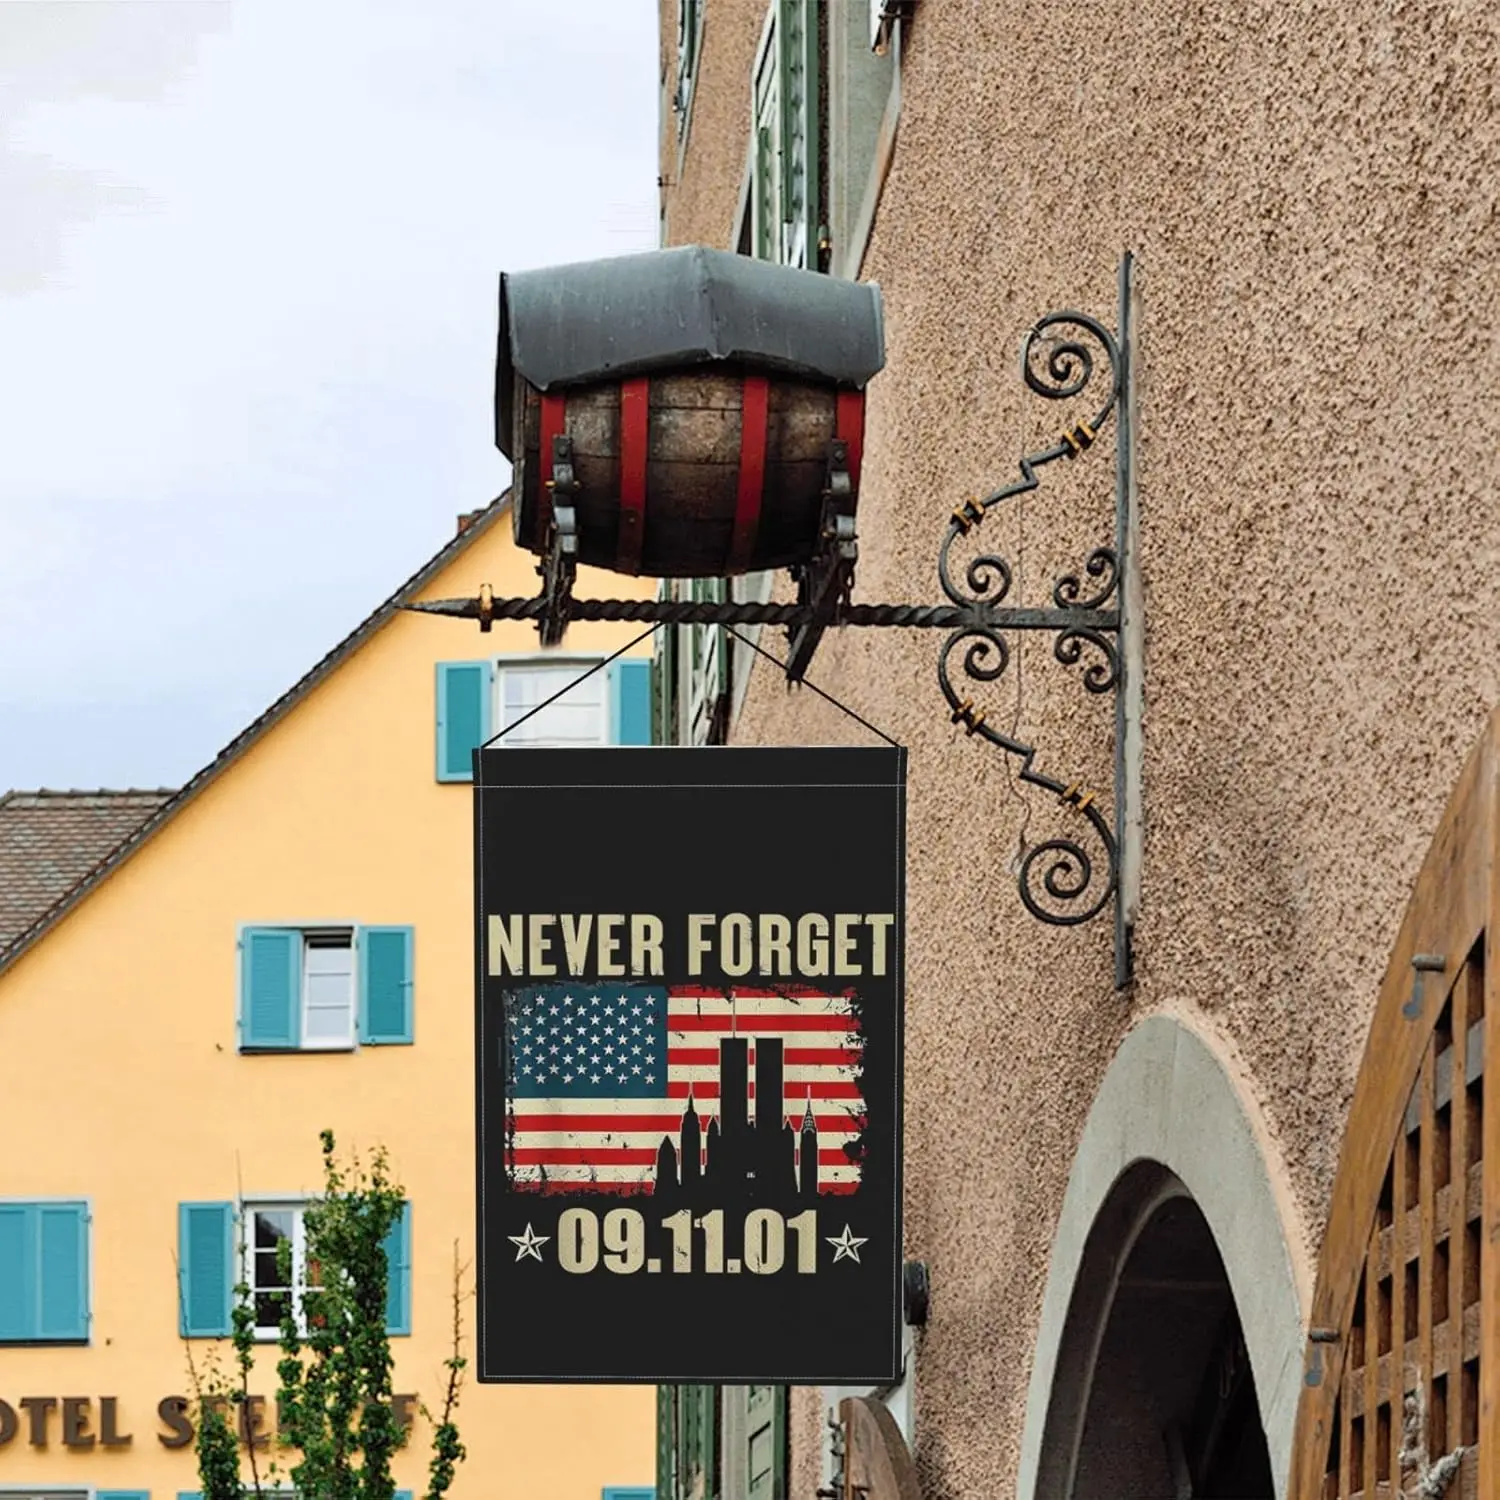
1153 1397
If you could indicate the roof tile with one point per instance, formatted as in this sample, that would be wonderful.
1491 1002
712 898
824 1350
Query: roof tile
51 840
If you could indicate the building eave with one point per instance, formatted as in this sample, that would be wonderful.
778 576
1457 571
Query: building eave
248 737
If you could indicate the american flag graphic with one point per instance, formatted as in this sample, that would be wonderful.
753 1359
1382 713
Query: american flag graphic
599 1076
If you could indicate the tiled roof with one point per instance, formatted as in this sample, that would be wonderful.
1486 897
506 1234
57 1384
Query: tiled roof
49 841
67 874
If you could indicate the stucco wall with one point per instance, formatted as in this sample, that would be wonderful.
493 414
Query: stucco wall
1311 191
123 1084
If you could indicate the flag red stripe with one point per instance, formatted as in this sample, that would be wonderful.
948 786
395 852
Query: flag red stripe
624 1156
638 1189
667 1124
593 1156
777 1023
839 1057
784 992
795 1092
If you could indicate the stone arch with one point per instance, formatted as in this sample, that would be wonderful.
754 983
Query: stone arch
1168 1126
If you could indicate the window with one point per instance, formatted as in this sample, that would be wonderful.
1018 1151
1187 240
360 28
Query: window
328 988
476 698
271 1276
689 45
212 1237
577 718
785 186
325 988
864 102
44 1273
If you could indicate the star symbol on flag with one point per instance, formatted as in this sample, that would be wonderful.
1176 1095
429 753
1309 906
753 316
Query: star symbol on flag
531 1243
844 1245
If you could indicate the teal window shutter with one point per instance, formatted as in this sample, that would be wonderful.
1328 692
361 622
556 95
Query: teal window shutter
463 716
131 1494
385 985
270 988
205 1268
630 701
17 1272
44 1273
189 1495
403 1495
398 1274
63 1272
628 1492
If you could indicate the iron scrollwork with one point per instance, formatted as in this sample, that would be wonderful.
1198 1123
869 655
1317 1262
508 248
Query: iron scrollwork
1059 881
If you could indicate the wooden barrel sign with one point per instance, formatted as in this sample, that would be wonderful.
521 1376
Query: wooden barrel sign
703 472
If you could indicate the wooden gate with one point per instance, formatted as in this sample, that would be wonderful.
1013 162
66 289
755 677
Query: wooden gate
1401 1395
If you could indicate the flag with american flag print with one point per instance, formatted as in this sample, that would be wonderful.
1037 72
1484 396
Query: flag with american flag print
599 1075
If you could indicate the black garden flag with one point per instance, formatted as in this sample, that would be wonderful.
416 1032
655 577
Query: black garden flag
689 1064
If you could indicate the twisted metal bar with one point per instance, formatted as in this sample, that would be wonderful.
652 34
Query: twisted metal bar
737 612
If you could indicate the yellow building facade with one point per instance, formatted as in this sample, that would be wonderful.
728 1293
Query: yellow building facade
284 945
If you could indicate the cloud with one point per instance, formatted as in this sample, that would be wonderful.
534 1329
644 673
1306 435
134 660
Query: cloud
248 332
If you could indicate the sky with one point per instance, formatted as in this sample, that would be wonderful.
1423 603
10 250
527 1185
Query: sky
249 262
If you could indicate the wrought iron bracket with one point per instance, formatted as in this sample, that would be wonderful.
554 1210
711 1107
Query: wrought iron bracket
1095 609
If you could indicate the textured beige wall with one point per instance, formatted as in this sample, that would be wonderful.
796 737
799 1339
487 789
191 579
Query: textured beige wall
1311 191
701 171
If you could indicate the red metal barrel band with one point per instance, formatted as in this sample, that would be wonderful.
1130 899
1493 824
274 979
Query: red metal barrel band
635 410
554 422
849 426
754 409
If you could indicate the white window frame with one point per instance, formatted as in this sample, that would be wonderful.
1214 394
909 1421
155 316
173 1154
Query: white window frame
285 1203
503 665
325 931
685 80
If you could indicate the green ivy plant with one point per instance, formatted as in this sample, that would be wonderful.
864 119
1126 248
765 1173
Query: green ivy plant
336 1422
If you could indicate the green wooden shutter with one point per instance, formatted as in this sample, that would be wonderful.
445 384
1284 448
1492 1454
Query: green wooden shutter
463 716
697 1440
62 1272
765 160
385 985
205 1268
786 198
270 988
796 46
664 682
630 701
398 1274
665 1442
765 1441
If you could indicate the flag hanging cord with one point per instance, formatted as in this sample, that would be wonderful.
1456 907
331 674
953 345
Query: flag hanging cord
646 634
828 697
568 687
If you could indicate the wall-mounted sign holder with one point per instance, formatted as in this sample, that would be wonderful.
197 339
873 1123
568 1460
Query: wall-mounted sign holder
1094 610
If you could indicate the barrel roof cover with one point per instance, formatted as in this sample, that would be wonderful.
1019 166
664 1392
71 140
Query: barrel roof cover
665 309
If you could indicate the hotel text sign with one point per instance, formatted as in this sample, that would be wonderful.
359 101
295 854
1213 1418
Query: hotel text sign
689 1064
